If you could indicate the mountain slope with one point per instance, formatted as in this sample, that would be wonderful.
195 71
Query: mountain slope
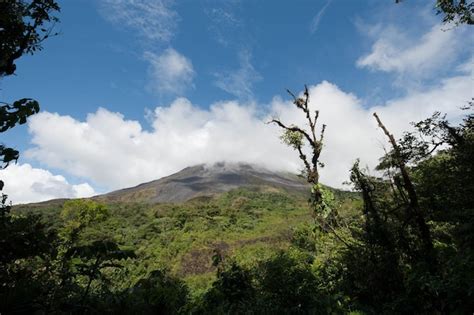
205 181
252 215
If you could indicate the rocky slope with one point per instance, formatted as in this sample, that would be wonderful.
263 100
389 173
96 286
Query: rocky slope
208 180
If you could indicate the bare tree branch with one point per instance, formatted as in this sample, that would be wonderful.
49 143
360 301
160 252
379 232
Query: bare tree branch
294 129
293 95
321 138
304 159
413 204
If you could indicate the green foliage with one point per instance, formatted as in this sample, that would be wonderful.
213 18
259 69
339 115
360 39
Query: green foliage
283 284
159 293
79 213
46 271
22 29
250 251
27 245
10 116
22 237
288 285
292 138
76 216
232 292
456 11
25 242
256 251
24 25
17 113
389 243
324 205
303 237
248 224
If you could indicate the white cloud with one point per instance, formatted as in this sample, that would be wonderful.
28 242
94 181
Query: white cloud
153 19
170 72
397 51
313 27
24 184
239 82
114 152
156 22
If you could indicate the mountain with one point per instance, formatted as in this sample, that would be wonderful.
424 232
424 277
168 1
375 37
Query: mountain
208 180
180 222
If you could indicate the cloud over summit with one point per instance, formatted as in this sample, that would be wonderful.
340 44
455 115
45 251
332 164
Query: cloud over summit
113 152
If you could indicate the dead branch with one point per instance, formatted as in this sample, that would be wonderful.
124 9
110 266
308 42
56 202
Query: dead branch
413 205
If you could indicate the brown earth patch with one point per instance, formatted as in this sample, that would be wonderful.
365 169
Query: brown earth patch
199 261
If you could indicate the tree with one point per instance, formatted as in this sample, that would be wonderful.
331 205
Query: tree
93 258
417 237
412 206
454 11
24 240
298 138
24 25
282 284
158 293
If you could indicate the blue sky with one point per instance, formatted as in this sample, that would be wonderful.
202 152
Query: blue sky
176 73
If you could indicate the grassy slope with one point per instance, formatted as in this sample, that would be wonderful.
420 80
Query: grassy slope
248 225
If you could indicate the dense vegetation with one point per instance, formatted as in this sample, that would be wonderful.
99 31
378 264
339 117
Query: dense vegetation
249 251
165 242
402 244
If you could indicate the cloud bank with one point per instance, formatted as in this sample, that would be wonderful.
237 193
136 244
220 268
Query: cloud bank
113 152
109 151
397 51
25 183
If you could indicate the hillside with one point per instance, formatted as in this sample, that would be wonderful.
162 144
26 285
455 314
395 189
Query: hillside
180 221
246 223
206 181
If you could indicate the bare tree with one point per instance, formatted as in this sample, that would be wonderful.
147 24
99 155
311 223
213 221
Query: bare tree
413 207
298 137
322 199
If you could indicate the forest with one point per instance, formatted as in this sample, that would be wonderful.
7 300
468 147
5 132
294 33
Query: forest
400 242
